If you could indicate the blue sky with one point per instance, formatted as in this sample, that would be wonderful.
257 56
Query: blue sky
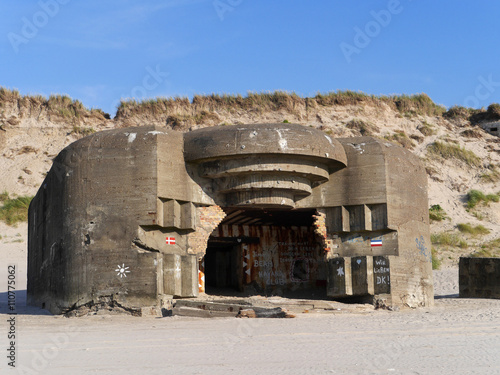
101 51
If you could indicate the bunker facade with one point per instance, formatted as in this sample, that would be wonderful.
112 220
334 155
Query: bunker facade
134 216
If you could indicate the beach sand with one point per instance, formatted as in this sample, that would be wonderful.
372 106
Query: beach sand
456 336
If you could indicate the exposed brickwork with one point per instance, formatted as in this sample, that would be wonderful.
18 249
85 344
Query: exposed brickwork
208 219
320 230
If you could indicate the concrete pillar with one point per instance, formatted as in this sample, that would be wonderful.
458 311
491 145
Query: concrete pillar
362 275
381 275
367 217
189 279
172 274
339 277
171 214
188 216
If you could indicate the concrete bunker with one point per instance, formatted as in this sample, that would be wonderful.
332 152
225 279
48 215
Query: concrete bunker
140 215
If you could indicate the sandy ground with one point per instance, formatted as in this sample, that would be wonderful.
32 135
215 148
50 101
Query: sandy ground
457 336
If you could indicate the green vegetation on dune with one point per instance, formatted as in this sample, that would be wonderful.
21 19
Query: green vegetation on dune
447 239
436 213
14 210
453 151
489 249
474 197
473 230
436 262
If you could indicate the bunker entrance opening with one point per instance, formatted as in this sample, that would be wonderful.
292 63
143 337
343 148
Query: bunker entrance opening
221 264
266 252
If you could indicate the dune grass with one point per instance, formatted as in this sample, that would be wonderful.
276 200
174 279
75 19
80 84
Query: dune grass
419 104
457 112
14 210
452 151
363 127
492 175
473 230
448 239
426 129
489 249
55 105
436 213
474 197
436 262
401 139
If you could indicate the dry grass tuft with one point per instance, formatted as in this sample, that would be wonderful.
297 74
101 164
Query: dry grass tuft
419 104
179 122
489 249
83 131
61 106
492 175
493 111
364 128
27 150
457 112
401 139
471 133
436 262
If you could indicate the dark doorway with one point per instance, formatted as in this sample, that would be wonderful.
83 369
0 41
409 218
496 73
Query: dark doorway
221 268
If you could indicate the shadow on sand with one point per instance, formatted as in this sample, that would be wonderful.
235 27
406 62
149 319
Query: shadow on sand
443 296
20 306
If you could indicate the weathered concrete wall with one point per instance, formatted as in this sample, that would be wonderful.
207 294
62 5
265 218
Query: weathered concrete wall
126 215
407 210
377 206
97 201
362 183
479 277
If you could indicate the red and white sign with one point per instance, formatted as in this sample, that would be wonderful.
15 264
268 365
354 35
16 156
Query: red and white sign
170 240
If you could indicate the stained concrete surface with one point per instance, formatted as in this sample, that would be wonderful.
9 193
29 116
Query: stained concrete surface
151 201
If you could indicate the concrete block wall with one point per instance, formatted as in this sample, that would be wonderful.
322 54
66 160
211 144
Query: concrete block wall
479 277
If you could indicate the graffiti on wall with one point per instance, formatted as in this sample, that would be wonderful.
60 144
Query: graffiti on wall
285 262
381 271
122 271
422 249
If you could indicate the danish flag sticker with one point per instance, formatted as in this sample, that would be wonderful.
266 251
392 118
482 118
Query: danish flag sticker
170 240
